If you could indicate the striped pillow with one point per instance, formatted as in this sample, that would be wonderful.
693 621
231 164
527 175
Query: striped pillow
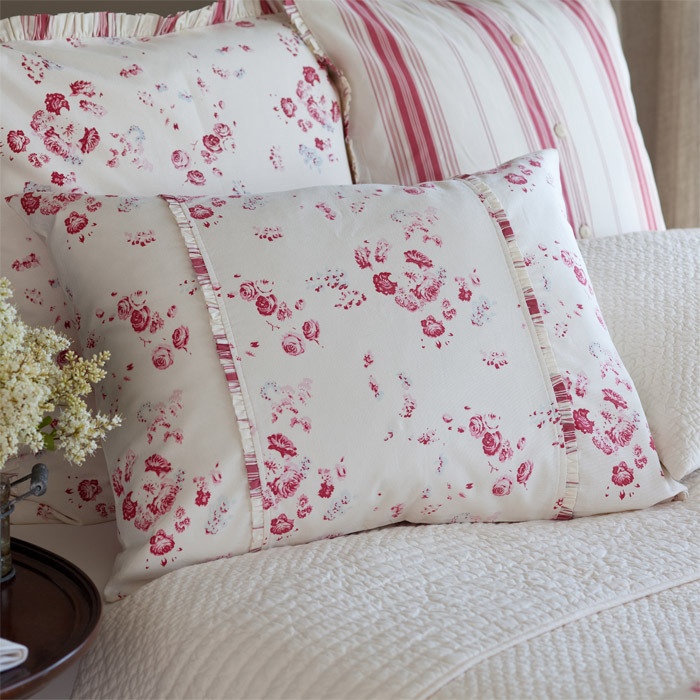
441 87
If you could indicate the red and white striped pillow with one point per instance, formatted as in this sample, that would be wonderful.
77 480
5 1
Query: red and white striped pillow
440 87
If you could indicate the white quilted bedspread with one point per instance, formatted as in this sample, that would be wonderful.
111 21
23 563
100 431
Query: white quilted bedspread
407 611
648 287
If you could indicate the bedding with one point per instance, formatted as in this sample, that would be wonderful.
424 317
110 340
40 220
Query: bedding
435 89
284 288
134 106
604 606
418 611
656 330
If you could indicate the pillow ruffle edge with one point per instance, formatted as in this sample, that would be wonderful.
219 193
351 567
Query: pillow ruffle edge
85 25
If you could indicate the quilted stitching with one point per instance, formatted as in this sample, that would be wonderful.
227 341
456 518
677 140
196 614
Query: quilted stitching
395 612
648 288
608 655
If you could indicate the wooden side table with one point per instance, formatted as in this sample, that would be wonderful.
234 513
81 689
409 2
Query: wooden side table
51 607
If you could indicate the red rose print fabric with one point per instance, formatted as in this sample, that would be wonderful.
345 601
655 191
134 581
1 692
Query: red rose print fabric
177 475
184 105
478 383
307 364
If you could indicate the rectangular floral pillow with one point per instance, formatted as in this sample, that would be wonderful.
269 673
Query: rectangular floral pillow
137 104
435 88
306 364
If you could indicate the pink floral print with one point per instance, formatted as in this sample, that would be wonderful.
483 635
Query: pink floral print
108 115
65 127
292 400
407 269
445 301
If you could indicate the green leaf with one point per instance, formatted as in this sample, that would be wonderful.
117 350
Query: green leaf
46 421
49 442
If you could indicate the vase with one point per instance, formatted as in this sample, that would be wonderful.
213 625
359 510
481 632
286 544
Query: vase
6 568
38 480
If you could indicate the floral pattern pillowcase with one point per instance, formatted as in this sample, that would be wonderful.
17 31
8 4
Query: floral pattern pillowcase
188 107
299 365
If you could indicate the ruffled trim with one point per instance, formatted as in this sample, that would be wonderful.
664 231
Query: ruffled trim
562 399
86 25
340 82
225 348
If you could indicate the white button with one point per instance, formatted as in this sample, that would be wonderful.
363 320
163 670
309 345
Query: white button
517 39
584 231
560 130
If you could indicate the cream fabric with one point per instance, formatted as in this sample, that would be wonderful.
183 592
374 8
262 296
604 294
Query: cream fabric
402 287
143 104
467 611
648 288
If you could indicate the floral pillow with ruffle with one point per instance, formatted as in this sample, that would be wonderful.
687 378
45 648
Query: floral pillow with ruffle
138 104
306 364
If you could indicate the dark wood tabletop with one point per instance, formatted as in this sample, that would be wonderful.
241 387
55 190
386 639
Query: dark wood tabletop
51 607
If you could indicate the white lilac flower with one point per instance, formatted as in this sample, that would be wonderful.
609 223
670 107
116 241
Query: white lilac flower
41 404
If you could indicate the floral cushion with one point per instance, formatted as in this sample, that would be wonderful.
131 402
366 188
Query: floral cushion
135 105
435 88
306 364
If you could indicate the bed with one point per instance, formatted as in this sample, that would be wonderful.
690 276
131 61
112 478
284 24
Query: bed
498 495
